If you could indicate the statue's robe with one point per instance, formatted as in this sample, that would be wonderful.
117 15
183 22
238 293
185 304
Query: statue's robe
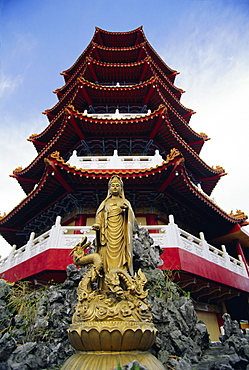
114 237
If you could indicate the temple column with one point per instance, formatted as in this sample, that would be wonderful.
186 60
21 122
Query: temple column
240 252
151 219
80 220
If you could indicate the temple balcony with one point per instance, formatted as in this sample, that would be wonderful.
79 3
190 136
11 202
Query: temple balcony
117 84
117 111
116 161
46 256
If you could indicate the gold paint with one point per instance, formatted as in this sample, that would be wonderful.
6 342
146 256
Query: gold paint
219 168
173 153
18 169
114 228
32 136
204 135
105 360
4 215
240 215
112 315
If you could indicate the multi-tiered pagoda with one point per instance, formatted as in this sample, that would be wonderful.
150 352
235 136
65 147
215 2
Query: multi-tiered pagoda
119 112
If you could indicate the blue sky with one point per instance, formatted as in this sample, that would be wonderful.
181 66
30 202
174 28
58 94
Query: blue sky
205 40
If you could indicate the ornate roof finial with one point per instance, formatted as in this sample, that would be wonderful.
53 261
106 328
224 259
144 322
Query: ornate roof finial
240 215
2 216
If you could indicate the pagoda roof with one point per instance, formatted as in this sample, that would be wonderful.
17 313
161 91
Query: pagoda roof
116 38
132 73
117 41
133 54
69 94
106 72
78 126
92 68
120 39
150 93
119 55
56 113
84 94
157 127
60 179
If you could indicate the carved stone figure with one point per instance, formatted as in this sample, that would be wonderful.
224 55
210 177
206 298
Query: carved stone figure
114 228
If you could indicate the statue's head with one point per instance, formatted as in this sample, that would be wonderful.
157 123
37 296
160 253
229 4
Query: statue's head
115 185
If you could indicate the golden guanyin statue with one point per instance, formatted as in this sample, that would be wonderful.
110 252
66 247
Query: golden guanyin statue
114 228
112 322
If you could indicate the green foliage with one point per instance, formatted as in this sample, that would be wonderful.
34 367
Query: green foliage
172 287
22 303
119 367
134 367
166 287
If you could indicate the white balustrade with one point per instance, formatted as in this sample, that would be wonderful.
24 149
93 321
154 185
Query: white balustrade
58 237
116 161
117 115
171 236
166 236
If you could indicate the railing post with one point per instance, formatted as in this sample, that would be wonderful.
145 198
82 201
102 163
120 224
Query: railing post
55 234
10 257
58 221
29 246
205 246
172 236
243 264
226 256
114 159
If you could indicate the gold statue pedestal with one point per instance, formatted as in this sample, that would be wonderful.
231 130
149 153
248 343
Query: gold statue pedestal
109 360
112 336
104 345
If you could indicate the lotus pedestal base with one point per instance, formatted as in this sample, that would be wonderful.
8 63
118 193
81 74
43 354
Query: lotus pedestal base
103 345
112 336
107 360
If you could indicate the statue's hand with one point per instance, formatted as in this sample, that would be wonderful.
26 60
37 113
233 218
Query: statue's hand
96 227
124 207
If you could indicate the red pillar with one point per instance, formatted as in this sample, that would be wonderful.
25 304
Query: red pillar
151 219
240 252
80 220
219 319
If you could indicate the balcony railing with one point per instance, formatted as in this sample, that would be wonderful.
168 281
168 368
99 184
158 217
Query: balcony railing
168 236
117 111
116 161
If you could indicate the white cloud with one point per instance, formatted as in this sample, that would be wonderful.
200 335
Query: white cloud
213 70
8 85
15 151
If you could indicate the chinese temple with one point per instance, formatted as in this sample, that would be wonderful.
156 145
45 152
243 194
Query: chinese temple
119 112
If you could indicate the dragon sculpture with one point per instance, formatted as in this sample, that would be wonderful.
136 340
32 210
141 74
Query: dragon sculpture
122 296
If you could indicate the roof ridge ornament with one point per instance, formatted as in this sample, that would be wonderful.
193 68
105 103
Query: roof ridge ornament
18 169
240 215
219 169
172 154
3 216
